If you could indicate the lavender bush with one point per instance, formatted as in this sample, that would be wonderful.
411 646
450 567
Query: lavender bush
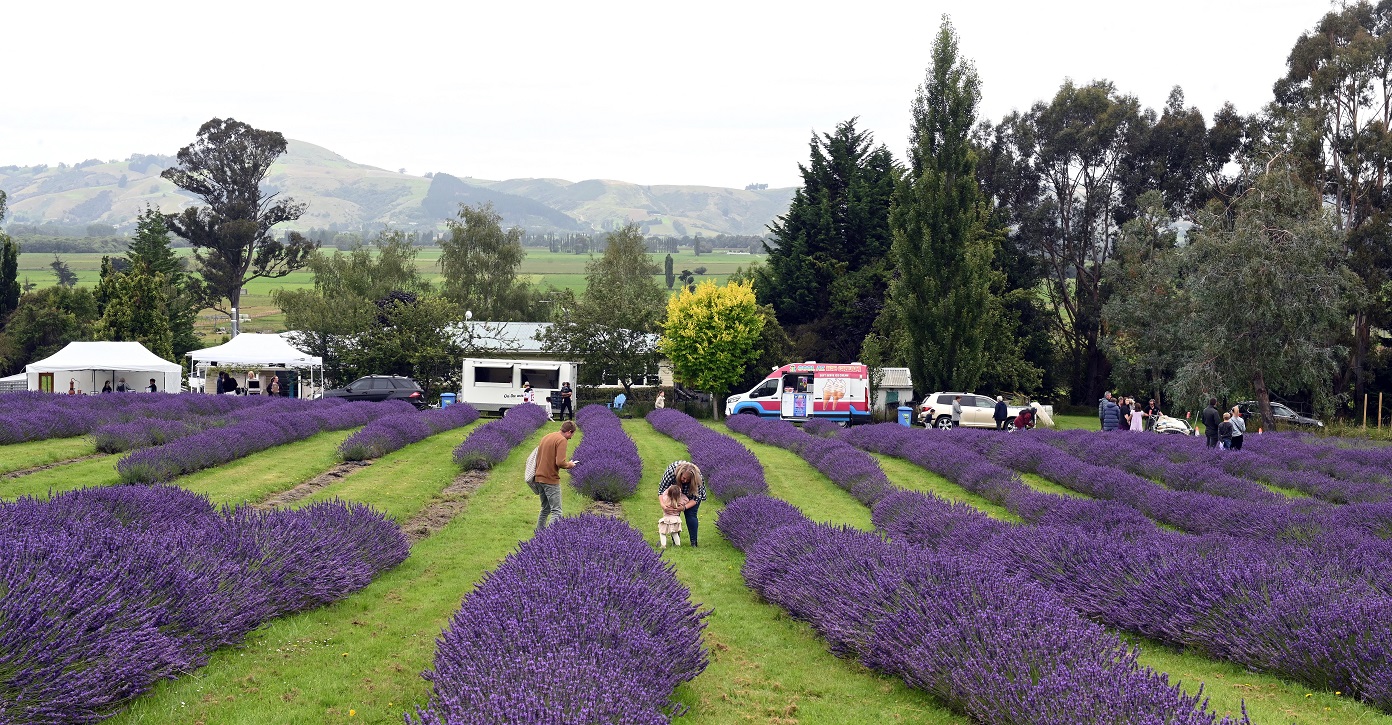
490 444
730 469
27 416
991 644
217 446
610 465
583 623
1314 609
384 435
847 467
105 591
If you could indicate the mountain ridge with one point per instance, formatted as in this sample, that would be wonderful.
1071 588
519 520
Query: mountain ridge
347 196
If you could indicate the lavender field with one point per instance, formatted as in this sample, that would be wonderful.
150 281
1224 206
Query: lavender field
879 574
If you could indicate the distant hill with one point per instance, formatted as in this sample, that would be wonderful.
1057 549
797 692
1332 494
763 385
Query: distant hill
346 196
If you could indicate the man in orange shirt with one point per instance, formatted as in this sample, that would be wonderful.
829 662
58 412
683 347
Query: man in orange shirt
551 458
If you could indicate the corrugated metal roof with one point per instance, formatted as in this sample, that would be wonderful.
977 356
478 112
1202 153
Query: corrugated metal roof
897 378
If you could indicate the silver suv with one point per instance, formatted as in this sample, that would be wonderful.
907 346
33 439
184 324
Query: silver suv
978 411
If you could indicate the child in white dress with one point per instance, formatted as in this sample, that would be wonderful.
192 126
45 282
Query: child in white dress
673 502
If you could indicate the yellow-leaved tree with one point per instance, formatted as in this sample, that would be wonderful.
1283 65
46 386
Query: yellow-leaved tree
711 335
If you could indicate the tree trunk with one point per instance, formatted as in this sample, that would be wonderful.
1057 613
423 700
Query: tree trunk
715 406
1263 400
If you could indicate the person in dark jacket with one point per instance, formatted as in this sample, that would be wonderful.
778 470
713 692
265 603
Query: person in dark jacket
1211 420
1111 415
1001 413
1124 408
1101 405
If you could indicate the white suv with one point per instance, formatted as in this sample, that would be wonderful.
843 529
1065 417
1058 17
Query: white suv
978 411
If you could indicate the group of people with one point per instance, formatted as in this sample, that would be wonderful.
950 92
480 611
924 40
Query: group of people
227 385
680 492
107 388
1123 413
567 395
1225 431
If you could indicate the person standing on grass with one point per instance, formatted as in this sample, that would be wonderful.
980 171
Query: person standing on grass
957 411
1138 416
687 477
1002 412
551 458
1211 421
566 395
1225 432
1111 415
673 505
1239 428
1101 406
1124 413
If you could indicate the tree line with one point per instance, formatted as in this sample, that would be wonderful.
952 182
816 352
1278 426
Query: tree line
1087 242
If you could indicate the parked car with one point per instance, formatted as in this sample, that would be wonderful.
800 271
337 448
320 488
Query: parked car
381 387
1282 413
978 411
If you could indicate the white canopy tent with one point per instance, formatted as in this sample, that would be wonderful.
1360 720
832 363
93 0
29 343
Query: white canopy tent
84 366
19 381
253 356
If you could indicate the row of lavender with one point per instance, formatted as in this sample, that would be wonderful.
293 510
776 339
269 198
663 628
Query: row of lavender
583 623
490 444
611 467
174 417
26 416
108 590
393 432
216 446
1317 611
730 470
989 643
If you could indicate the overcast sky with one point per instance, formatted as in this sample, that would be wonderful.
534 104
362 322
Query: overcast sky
715 93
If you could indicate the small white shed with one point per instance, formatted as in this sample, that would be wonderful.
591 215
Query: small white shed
84 367
895 390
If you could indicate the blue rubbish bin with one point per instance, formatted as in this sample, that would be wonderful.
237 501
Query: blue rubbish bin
446 400
906 416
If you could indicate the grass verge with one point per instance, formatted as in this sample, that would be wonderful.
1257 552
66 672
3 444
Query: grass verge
19 456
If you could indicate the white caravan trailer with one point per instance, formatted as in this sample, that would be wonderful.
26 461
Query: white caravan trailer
496 385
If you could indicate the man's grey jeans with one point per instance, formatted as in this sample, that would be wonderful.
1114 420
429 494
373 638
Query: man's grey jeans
550 504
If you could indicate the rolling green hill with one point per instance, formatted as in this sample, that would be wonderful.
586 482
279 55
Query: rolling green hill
348 196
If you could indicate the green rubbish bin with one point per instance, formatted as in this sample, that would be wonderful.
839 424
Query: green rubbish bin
906 416
446 400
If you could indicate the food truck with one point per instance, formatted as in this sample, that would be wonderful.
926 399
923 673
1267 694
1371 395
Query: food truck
807 390
496 385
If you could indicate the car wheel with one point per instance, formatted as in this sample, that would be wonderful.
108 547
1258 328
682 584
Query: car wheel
943 423
748 411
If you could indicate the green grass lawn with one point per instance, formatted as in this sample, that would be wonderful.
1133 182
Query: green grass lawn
19 456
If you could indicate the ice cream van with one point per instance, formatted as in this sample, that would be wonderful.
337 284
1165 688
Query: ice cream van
806 390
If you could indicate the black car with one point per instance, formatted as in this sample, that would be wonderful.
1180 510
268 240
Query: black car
381 387
1283 414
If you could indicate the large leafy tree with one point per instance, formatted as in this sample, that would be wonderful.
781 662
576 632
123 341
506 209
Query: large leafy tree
44 322
355 293
711 335
480 260
411 336
136 308
942 294
1336 102
1075 153
1253 302
9 270
827 268
226 168
613 327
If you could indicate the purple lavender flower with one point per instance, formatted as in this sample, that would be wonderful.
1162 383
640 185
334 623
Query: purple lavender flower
611 465
489 445
584 623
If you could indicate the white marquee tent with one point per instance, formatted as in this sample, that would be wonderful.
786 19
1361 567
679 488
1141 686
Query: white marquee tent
85 366
253 356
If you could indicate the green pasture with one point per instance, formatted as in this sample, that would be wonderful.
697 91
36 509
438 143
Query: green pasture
540 267
360 660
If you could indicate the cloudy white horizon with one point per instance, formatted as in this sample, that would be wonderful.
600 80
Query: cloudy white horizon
716 93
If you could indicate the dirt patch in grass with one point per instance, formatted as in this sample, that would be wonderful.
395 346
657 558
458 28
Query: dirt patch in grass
605 508
314 484
46 466
453 500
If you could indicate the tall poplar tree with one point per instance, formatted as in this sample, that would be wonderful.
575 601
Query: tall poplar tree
942 294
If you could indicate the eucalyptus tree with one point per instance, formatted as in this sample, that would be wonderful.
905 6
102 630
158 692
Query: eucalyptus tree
231 232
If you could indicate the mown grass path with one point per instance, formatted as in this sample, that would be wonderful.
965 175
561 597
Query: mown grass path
19 456
765 666
1269 699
